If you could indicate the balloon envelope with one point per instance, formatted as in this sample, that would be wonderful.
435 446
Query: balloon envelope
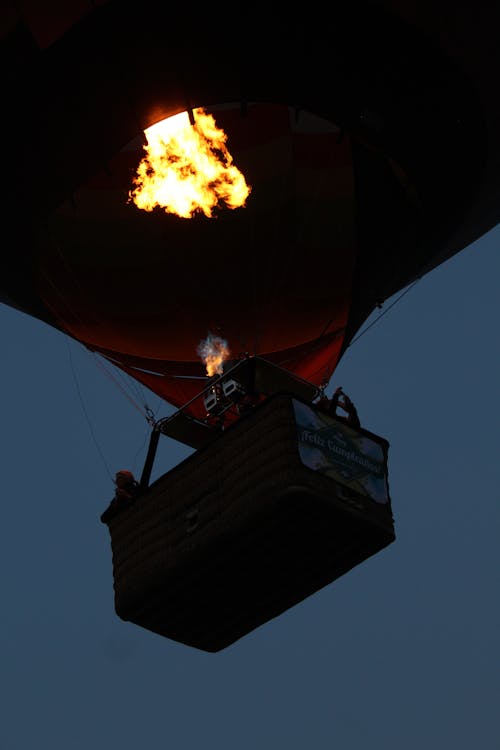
362 143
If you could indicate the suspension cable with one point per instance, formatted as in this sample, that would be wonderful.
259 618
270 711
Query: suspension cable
145 412
398 299
78 390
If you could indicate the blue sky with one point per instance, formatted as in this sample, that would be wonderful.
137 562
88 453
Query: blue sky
402 652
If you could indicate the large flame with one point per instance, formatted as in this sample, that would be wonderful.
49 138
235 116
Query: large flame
213 351
188 168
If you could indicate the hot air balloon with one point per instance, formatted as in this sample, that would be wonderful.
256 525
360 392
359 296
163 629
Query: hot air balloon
364 142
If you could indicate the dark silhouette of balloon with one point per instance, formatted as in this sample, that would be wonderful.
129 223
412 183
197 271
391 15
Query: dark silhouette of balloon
364 142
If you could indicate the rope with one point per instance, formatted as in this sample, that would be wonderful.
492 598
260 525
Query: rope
144 412
78 390
398 299
148 413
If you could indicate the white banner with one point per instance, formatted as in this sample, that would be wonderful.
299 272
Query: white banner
341 452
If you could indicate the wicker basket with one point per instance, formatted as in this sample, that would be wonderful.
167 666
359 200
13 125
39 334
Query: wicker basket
241 531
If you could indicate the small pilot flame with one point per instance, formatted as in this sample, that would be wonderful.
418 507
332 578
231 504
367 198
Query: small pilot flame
213 351
188 168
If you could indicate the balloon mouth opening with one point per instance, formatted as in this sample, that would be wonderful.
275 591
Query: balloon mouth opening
219 128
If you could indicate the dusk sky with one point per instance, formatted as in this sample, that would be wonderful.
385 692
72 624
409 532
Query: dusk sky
400 653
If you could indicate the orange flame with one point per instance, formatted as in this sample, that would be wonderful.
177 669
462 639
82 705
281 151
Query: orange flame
213 351
188 168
